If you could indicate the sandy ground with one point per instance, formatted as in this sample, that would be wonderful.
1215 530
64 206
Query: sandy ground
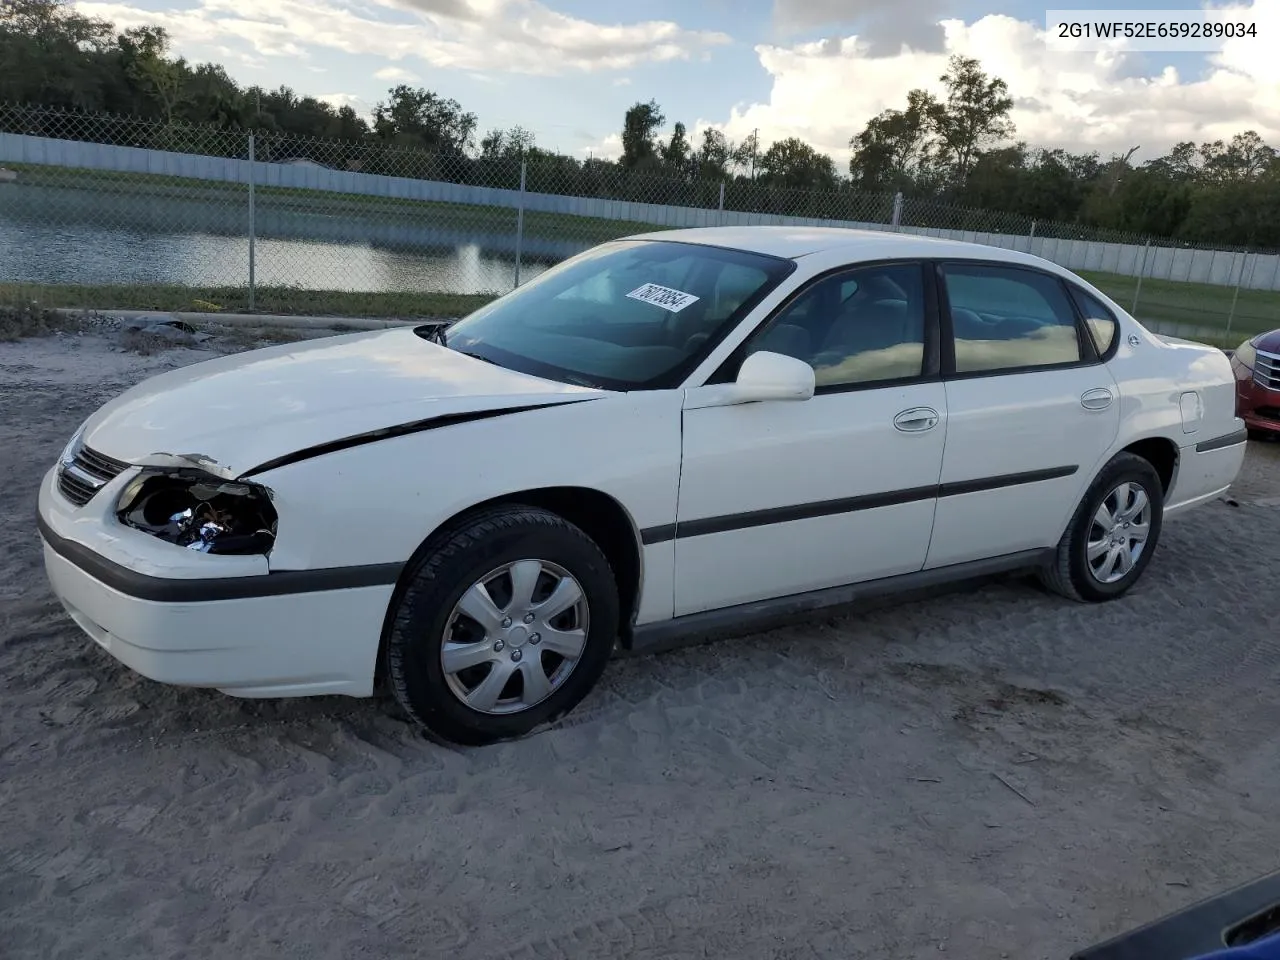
990 774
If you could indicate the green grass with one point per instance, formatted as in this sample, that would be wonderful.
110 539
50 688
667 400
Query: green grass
267 300
1163 304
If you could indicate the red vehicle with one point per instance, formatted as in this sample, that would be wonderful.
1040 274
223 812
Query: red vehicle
1257 366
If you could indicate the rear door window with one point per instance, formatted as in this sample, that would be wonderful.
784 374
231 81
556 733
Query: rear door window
1006 318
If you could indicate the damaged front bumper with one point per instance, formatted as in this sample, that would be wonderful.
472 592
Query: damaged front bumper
195 617
188 500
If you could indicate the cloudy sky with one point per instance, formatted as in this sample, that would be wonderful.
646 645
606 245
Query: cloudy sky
817 69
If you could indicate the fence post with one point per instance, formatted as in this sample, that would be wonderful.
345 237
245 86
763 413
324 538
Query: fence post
253 226
721 207
1033 230
897 210
1137 290
1235 297
520 219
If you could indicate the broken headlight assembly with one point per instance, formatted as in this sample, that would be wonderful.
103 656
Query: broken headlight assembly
192 509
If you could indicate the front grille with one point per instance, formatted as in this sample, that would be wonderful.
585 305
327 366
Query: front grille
1266 370
1268 413
86 474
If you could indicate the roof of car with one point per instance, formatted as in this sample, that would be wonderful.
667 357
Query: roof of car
859 244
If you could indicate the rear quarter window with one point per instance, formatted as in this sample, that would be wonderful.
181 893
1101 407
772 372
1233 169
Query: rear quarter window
1101 322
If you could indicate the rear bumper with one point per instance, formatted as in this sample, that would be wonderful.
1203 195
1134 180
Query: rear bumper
1206 470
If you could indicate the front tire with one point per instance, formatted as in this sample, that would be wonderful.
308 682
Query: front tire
1112 535
505 622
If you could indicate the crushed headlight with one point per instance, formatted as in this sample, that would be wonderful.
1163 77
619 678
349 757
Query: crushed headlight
192 509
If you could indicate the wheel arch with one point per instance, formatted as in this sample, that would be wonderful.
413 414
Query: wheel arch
1158 450
601 516
1162 453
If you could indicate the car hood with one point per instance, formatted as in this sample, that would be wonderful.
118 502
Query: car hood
235 413
1269 342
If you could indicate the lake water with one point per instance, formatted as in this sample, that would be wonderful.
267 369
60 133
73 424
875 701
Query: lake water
51 235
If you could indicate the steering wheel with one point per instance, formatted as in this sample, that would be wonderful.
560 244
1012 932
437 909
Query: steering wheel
676 327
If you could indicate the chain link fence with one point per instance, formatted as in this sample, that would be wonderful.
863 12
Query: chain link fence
110 213
1217 294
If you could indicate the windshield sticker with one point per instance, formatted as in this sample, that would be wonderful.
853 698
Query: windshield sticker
670 300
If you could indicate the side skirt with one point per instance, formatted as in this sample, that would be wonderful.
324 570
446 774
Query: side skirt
760 615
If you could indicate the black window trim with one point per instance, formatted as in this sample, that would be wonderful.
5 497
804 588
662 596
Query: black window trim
1088 352
930 367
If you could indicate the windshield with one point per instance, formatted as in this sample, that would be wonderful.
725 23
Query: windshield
626 315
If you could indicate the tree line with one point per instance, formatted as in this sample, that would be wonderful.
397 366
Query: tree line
952 155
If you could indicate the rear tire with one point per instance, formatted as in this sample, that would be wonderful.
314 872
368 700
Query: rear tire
505 622
1112 535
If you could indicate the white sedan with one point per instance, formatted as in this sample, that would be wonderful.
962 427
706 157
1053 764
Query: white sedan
675 435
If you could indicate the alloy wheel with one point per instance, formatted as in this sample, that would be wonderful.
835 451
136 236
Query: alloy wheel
515 636
1118 533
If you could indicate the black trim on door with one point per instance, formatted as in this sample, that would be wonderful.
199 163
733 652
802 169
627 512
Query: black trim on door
960 487
729 522
169 590
662 534
802 511
1221 443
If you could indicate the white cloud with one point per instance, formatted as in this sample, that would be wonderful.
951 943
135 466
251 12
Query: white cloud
1253 56
346 100
396 75
622 82
826 91
228 55
610 148
519 36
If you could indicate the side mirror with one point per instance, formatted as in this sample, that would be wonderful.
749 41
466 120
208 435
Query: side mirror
772 376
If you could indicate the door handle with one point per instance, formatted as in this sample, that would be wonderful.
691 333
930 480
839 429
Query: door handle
1099 398
916 420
